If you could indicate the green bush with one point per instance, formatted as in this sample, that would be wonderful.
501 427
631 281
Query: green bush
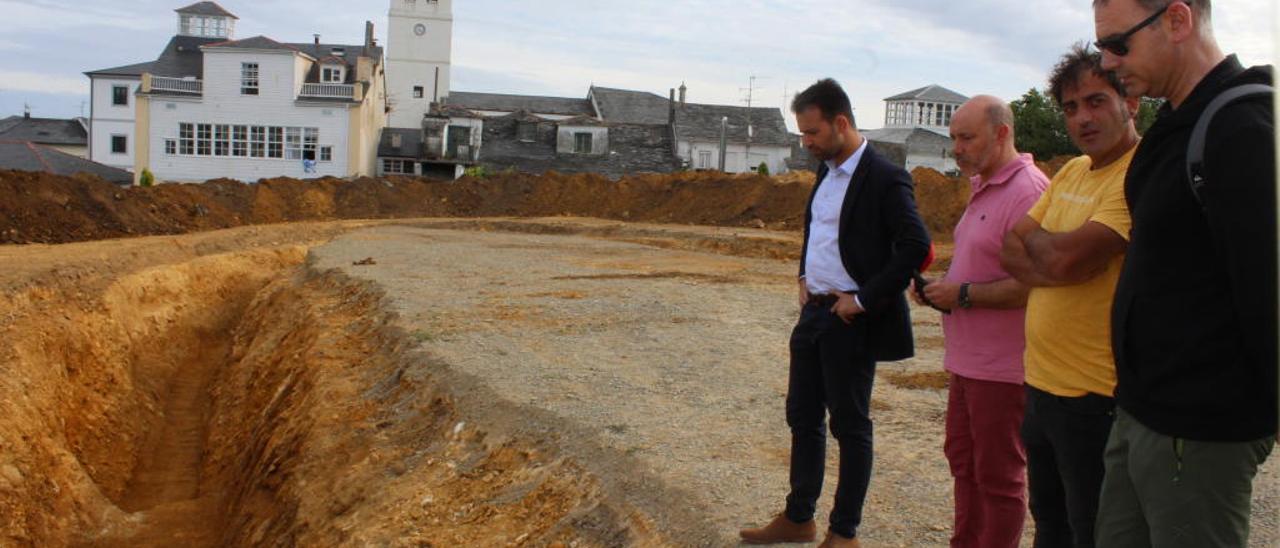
763 169
478 172
146 179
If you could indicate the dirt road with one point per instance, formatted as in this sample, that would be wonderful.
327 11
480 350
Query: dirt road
664 368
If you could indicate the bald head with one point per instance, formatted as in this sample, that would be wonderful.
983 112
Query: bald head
993 110
982 131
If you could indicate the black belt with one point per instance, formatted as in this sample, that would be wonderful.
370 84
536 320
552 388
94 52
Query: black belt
824 299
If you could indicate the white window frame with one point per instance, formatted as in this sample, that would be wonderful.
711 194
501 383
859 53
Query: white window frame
250 79
333 74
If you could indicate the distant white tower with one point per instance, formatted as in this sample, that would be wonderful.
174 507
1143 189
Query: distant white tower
419 53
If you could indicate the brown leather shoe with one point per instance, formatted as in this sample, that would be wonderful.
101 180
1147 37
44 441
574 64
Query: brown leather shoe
834 540
780 530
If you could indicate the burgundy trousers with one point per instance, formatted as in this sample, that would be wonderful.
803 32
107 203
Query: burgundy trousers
988 462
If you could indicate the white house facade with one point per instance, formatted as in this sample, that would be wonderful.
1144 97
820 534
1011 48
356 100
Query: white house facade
212 107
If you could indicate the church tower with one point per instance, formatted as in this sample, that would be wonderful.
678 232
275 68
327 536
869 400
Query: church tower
419 53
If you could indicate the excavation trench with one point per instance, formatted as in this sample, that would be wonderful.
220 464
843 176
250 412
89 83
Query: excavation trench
249 399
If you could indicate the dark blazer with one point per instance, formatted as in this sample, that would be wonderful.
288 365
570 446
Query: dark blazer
882 241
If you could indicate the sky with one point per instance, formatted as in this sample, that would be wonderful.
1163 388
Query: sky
875 48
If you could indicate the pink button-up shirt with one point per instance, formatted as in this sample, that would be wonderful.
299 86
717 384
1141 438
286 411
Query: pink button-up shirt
988 344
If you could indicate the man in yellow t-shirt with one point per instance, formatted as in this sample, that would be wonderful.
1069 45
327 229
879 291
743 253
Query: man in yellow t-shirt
1069 249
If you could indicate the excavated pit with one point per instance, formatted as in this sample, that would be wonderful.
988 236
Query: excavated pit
248 399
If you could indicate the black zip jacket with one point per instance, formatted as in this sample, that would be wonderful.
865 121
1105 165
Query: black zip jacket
1194 321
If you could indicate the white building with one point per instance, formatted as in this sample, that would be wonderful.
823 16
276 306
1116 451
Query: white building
211 106
419 54
917 128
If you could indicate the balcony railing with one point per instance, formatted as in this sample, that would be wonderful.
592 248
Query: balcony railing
328 91
176 85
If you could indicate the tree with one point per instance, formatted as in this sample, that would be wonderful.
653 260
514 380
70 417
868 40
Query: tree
1146 114
1040 127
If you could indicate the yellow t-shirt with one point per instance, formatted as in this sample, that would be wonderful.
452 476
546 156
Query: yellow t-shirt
1069 328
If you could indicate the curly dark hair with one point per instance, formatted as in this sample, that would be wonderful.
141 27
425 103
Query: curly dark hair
1066 74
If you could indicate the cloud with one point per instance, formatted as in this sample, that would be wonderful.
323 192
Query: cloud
43 83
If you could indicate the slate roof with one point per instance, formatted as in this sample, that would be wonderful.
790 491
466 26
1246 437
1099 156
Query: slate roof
28 156
899 135
410 143
932 92
44 131
206 8
256 42
563 106
631 107
581 121
696 122
181 58
322 51
135 69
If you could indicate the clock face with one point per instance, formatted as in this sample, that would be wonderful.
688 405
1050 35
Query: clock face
419 29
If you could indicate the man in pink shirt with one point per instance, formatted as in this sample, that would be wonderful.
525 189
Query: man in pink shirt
984 330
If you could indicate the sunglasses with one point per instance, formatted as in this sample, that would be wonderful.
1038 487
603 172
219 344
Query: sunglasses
1118 44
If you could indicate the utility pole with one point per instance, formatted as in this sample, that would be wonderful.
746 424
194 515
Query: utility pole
724 140
750 89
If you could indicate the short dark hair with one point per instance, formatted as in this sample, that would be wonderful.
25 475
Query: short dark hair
1203 8
1066 74
828 97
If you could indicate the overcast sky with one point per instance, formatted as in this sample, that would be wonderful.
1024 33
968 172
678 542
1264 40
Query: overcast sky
876 48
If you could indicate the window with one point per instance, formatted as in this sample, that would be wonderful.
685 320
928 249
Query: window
258 141
170 146
326 154
582 143
310 136
119 144
204 139
293 143
397 167
240 141
417 92
186 139
704 159
527 131
331 75
275 142
249 78
222 140
120 96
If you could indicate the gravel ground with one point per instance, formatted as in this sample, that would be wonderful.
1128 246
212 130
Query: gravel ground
662 371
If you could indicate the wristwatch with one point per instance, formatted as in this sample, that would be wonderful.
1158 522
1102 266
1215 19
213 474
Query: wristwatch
964 296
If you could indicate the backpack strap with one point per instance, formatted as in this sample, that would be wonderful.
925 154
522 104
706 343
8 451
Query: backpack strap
1195 148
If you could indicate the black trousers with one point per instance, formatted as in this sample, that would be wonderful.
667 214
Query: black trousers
831 371
1065 440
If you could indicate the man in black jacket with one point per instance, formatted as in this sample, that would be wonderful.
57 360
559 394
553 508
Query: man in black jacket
862 240
1194 321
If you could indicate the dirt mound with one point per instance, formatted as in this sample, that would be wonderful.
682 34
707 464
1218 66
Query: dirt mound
43 208
941 200
1051 167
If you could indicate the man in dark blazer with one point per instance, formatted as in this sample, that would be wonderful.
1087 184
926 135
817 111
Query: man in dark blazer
862 240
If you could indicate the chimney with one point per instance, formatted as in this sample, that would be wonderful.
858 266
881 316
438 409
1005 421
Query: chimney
317 39
26 110
683 89
671 114
368 34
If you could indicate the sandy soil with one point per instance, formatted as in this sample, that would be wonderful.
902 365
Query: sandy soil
492 382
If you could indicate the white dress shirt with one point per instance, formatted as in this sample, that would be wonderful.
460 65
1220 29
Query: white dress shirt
824 272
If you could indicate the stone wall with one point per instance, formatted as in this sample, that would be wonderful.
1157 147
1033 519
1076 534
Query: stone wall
632 148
